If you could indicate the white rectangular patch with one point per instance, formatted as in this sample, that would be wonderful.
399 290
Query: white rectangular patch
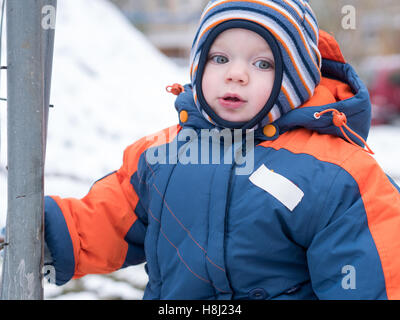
278 186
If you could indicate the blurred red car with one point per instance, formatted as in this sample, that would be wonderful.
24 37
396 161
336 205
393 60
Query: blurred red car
382 76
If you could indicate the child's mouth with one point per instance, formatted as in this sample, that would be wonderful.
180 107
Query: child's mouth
231 101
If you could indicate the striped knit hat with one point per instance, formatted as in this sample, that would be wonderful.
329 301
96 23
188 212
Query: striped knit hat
290 28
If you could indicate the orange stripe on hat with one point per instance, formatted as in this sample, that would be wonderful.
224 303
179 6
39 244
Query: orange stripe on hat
195 70
312 26
318 55
294 8
381 199
270 117
287 97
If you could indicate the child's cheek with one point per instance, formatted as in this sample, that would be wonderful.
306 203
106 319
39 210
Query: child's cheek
265 85
209 83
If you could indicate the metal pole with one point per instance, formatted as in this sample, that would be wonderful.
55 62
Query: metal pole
23 256
48 51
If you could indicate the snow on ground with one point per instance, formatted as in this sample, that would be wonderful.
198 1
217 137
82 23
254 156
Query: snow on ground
108 89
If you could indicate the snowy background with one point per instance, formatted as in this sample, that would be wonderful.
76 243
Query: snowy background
108 90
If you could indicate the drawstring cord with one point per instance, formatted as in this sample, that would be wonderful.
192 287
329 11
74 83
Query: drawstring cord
175 89
340 121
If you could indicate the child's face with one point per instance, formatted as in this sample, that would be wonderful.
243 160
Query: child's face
239 75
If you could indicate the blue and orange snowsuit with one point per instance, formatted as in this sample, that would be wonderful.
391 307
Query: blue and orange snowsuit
206 233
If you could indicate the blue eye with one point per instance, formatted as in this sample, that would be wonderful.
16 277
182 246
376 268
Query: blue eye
263 64
219 59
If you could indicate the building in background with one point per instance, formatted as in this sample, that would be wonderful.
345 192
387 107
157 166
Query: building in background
169 24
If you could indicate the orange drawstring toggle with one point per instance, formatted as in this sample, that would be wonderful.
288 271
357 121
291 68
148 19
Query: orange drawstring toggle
340 121
176 89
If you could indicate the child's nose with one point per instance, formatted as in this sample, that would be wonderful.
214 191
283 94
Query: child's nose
237 73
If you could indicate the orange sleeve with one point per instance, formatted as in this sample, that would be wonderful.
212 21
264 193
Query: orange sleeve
90 235
98 223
